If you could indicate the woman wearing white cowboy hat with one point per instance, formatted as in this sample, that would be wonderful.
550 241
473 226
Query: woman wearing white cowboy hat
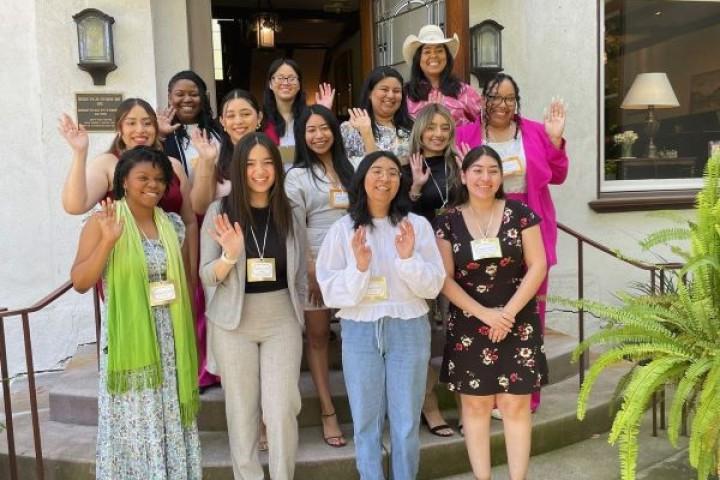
431 56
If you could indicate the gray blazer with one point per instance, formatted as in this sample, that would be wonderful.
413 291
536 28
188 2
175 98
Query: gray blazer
225 307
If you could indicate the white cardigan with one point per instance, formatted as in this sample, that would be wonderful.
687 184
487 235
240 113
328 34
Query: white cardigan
409 281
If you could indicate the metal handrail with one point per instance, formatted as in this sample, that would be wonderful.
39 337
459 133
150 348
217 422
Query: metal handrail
40 304
24 314
657 270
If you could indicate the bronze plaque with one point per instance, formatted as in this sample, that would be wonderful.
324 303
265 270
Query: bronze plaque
97 110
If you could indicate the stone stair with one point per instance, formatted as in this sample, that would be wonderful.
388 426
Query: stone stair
68 425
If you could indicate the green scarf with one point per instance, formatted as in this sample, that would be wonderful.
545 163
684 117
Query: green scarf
133 354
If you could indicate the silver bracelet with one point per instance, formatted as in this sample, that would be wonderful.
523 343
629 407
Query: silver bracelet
227 260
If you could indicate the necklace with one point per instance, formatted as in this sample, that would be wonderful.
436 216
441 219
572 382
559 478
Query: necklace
153 251
476 218
506 131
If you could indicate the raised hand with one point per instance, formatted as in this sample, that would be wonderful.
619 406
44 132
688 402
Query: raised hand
165 125
405 239
75 135
360 120
325 96
207 149
111 226
361 250
554 120
462 151
419 177
229 236
435 96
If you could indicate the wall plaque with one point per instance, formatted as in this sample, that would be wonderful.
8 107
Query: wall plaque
97 110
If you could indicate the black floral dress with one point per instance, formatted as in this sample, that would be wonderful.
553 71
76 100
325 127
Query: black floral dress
472 364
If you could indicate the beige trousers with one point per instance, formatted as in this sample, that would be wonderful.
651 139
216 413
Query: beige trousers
259 363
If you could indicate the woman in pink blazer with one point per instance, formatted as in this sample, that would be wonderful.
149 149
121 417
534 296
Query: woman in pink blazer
533 155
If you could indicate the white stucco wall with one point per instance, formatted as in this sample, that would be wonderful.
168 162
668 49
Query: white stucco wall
551 49
40 78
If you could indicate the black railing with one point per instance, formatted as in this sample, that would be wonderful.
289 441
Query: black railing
657 286
24 314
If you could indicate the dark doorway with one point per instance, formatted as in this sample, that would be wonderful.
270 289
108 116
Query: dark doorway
323 36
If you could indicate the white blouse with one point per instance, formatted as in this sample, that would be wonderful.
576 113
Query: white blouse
409 281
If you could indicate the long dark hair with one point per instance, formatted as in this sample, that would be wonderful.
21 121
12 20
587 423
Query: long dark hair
401 119
237 204
226 147
359 212
205 115
489 90
306 158
418 88
118 145
134 156
270 110
462 195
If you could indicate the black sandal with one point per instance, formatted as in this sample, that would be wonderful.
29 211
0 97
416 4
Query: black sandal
340 437
437 429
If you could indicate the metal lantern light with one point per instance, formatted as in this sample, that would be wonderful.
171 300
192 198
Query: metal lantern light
95 43
486 50
265 25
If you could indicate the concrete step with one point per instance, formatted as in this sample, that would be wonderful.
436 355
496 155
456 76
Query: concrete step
74 398
69 449
595 459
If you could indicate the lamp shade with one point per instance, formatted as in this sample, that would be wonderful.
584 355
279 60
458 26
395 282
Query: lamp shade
650 90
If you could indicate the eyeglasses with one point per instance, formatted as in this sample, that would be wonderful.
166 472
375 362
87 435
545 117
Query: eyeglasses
497 100
378 173
288 80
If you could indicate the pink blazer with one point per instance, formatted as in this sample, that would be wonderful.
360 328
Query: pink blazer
546 164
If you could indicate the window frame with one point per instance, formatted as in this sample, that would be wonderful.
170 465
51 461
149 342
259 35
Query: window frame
631 195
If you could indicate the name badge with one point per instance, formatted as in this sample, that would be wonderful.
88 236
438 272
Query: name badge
287 153
260 269
161 293
339 198
486 248
377 289
512 166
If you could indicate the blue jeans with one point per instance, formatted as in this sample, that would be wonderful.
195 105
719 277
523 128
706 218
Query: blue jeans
385 367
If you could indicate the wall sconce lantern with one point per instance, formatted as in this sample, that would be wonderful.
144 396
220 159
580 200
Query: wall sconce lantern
265 25
95 43
486 50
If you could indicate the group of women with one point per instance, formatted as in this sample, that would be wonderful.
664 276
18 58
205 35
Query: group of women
430 194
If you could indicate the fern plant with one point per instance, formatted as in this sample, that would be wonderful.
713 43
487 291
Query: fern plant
672 338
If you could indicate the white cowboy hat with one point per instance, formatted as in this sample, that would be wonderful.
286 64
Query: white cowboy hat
429 34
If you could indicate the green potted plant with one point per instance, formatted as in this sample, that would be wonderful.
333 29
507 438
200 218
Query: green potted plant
671 339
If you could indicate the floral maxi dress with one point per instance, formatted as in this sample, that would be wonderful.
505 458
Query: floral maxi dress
140 434
472 364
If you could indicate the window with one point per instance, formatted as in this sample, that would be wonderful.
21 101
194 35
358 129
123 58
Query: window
217 50
661 93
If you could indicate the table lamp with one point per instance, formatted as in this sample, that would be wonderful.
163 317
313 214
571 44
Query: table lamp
650 91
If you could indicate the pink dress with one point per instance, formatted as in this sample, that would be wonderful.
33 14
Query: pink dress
465 108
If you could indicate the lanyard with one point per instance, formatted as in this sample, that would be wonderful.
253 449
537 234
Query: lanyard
252 232
437 186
